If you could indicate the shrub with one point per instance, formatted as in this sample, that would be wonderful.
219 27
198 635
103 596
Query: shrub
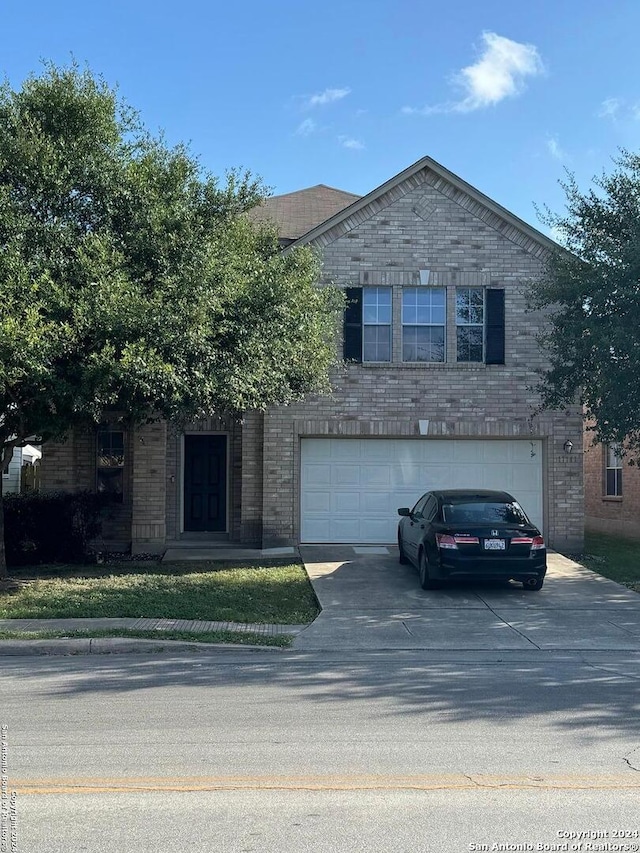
53 527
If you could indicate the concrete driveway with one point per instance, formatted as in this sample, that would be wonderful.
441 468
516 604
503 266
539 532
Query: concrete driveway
370 602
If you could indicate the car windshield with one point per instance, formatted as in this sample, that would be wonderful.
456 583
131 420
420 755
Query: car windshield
479 512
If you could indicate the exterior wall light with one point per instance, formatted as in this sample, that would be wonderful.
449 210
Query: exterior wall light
568 446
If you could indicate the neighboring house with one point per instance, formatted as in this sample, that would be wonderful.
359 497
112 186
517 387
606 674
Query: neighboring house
21 456
611 490
11 477
435 391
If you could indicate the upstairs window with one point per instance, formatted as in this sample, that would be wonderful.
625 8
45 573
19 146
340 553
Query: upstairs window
423 323
110 463
470 323
376 322
613 471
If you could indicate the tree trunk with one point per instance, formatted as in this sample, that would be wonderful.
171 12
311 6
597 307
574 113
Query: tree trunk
7 456
3 555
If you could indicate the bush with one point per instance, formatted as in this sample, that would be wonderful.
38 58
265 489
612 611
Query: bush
53 527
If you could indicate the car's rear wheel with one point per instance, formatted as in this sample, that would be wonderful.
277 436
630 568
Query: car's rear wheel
426 582
404 560
533 584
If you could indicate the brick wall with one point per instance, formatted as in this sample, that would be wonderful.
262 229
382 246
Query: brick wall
610 514
425 224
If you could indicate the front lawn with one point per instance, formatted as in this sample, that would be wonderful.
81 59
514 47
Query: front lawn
613 557
243 592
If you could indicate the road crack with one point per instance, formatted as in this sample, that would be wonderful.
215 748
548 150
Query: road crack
633 762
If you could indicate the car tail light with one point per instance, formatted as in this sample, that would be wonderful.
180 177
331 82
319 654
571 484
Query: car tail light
522 540
464 539
538 543
445 541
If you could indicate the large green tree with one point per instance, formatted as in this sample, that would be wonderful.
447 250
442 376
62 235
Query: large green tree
131 280
592 295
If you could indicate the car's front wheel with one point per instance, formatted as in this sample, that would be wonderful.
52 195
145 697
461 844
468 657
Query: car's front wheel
426 582
533 584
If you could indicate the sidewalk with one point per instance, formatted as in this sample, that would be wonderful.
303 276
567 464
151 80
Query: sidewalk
106 645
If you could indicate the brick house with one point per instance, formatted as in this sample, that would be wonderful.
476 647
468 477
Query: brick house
611 490
434 391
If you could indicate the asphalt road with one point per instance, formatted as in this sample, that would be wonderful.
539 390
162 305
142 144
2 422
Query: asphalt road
395 751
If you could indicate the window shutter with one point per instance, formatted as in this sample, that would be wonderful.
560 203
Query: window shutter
353 325
495 326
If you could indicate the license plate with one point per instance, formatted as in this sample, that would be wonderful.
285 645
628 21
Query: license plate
494 545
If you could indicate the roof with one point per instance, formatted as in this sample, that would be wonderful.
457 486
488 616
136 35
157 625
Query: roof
346 218
294 214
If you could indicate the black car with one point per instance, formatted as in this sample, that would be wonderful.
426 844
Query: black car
470 534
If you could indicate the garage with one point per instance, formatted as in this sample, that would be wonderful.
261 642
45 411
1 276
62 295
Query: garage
350 489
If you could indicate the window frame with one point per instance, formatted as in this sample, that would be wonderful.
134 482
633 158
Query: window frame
430 325
367 291
612 453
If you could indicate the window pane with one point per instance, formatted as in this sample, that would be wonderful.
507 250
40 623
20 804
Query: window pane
376 303
614 460
110 482
470 342
462 306
423 343
110 448
423 305
377 343
469 305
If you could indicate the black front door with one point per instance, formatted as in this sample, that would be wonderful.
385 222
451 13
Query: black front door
205 483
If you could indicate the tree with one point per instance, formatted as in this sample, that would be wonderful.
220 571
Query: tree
591 292
132 281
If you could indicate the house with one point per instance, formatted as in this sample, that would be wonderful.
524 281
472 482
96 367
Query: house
611 490
11 479
440 356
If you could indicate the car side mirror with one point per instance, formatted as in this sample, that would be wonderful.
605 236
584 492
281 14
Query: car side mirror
404 510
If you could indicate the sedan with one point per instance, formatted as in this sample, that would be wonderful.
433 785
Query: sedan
469 534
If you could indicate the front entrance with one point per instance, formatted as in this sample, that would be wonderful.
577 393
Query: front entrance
205 483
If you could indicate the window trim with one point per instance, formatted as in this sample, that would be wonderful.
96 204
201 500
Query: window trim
417 325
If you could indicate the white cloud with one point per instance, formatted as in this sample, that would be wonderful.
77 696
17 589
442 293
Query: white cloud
499 73
554 148
327 97
349 142
306 127
610 108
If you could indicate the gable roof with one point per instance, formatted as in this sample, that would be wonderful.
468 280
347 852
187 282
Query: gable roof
427 170
297 213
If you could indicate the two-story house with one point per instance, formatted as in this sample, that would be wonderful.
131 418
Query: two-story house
435 392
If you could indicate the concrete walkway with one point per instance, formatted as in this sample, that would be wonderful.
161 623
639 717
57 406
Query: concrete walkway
371 602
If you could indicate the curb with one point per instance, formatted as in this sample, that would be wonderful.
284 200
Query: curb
116 645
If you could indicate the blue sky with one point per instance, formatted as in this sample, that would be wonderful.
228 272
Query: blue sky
350 93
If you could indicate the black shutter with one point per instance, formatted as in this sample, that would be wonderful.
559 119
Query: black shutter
353 325
495 326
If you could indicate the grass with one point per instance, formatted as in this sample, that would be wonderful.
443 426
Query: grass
234 637
613 557
244 592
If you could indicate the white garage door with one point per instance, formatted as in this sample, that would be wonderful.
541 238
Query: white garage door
351 488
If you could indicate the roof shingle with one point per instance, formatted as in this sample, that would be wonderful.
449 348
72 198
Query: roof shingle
293 214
